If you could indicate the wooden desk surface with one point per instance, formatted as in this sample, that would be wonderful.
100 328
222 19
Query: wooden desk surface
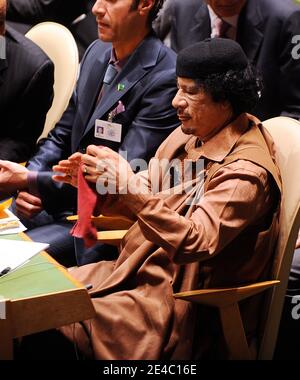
40 295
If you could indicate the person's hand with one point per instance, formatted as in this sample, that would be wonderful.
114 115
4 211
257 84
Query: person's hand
68 169
13 177
28 205
107 168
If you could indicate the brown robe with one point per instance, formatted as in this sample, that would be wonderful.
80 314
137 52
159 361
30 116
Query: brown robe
174 247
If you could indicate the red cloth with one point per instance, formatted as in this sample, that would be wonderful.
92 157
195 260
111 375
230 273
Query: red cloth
88 204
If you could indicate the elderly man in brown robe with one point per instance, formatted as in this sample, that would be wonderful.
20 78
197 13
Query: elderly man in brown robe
216 228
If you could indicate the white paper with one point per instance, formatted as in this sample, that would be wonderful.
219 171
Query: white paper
16 253
10 231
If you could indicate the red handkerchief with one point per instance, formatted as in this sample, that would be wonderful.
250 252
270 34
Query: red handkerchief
88 203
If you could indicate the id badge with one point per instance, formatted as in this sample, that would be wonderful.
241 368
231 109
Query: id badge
108 131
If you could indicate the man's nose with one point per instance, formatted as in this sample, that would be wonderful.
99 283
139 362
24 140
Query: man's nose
179 102
98 8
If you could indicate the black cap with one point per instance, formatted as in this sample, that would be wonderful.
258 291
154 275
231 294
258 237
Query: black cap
211 56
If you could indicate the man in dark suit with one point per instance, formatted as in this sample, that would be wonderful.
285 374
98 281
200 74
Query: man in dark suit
137 100
75 14
265 30
26 92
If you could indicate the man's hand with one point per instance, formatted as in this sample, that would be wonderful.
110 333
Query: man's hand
13 177
105 167
68 169
28 205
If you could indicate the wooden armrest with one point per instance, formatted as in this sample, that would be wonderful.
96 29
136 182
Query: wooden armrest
102 222
226 300
111 237
221 297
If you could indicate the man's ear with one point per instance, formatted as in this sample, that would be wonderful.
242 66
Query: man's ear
145 6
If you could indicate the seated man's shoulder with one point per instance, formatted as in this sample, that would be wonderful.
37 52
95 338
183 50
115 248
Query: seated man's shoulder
166 56
26 52
244 176
248 168
281 9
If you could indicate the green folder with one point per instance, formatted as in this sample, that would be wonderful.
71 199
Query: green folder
38 276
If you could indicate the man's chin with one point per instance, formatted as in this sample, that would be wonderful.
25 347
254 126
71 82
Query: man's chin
186 130
104 36
229 11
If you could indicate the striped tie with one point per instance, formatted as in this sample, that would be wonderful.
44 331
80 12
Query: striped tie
109 76
221 28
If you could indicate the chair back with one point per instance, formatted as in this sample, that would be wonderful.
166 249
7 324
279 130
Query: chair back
59 44
286 135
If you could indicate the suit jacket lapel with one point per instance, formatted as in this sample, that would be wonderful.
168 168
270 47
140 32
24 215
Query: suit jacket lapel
135 68
250 29
96 75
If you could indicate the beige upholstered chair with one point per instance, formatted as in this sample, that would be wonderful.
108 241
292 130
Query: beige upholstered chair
286 135
59 44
